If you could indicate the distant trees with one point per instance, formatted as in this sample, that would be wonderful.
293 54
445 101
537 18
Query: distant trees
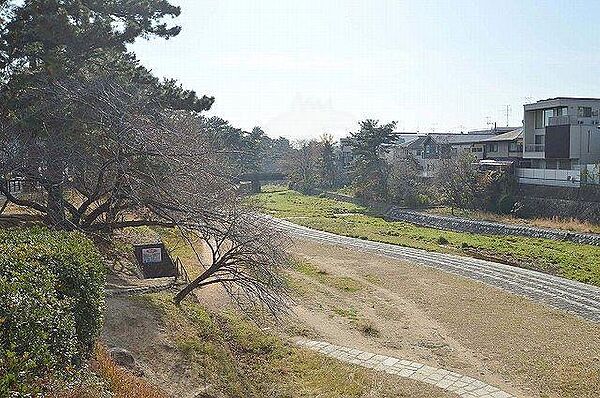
461 184
303 166
456 181
313 164
369 171
405 185
327 162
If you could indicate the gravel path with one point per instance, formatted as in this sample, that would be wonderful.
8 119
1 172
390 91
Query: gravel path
463 386
572 296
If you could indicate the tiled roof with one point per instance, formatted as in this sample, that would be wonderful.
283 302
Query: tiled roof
510 136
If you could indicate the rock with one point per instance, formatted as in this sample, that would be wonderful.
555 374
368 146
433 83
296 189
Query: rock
122 357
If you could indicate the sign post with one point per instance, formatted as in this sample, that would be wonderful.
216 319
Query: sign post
154 260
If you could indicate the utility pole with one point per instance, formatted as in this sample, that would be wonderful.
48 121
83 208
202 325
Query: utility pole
507 112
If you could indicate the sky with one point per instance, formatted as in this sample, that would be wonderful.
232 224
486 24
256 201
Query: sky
303 68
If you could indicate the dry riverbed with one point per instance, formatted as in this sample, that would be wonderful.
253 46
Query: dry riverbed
394 308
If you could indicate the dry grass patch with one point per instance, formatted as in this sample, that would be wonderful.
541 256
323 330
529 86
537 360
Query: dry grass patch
121 382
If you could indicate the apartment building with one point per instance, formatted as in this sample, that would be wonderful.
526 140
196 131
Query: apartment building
561 136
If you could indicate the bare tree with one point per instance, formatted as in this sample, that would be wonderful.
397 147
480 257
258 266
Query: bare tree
404 183
302 166
457 181
246 256
123 160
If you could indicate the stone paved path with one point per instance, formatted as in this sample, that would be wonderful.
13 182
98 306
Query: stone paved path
464 386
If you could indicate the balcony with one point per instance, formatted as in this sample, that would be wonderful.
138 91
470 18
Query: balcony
562 120
534 148
534 151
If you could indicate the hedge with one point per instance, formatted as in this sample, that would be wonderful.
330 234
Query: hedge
51 304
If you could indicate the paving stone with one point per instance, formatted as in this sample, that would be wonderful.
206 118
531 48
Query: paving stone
365 355
406 373
464 386
390 361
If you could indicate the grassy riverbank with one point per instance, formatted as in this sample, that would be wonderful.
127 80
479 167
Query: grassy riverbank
570 260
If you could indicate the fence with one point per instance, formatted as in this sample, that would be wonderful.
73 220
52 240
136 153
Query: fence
559 178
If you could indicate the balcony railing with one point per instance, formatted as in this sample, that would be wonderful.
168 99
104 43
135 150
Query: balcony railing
535 148
562 120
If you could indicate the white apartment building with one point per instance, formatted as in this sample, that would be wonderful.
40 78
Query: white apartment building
561 136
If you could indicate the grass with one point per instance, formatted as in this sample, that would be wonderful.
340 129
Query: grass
122 383
236 358
343 283
569 224
567 259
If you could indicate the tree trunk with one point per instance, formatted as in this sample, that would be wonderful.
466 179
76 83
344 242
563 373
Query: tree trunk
194 284
56 167
56 206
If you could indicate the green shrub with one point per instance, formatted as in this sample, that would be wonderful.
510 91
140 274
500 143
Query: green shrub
51 302
505 204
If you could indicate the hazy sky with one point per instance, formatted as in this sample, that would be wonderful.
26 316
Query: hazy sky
301 68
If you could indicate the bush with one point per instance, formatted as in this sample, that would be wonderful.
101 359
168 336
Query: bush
505 204
51 302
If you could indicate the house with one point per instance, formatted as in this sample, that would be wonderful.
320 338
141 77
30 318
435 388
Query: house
502 147
561 137
429 150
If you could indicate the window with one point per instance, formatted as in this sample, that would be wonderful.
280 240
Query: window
539 139
477 149
562 111
539 119
492 147
584 111
515 147
548 113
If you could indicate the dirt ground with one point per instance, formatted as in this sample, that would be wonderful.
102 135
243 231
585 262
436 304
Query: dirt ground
400 309
152 339
414 312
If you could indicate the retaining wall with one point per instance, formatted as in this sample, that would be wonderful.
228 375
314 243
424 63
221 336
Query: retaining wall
486 227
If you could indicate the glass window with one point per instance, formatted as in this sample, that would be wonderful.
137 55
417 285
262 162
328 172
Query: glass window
584 111
539 119
515 147
492 147
562 111
548 113
539 139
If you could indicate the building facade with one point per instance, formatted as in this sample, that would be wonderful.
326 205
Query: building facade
562 133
